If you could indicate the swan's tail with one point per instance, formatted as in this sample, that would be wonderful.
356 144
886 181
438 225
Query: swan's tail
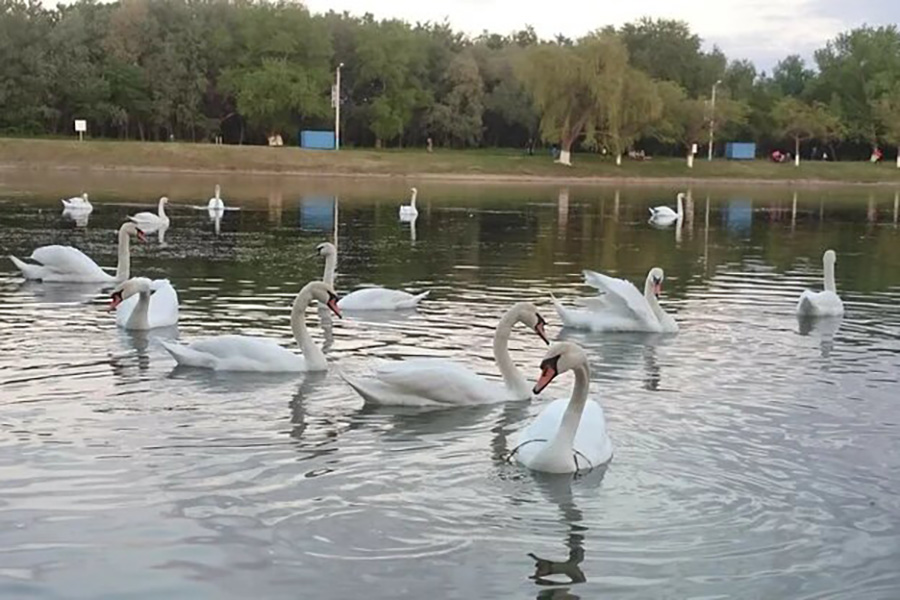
414 301
652 212
562 311
361 388
187 357
28 271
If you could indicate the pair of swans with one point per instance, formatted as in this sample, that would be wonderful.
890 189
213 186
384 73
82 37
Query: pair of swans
69 265
408 212
826 303
374 298
142 304
664 215
620 306
245 353
149 222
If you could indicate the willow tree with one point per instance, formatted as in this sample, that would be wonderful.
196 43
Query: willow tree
571 85
634 105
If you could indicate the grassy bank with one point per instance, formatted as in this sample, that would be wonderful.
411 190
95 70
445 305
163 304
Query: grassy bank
502 165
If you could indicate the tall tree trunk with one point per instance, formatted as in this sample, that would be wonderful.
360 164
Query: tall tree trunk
796 151
898 157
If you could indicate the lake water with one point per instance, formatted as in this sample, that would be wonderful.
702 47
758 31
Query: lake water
754 457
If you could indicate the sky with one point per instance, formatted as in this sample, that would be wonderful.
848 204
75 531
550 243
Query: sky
763 31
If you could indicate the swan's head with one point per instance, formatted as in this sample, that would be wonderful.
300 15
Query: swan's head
829 258
132 229
218 190
164 200
127 289
680 196
561 357
527 313
655 280
84 196
325 294
326 249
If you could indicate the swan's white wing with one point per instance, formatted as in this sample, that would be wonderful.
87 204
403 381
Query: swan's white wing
663 212
820 304
427 382
237 353
620 294
379 299
64 263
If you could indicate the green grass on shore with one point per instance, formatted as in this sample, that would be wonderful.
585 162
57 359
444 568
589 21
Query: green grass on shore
473 164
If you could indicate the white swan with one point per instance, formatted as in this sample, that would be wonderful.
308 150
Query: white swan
216 203
78 203
149 222
409 211
244 353
570 434
436 382
826 303
665 215
68 264
141 304
620 306
374 298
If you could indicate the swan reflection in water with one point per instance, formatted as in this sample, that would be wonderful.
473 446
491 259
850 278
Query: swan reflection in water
825 327
557 575
52 292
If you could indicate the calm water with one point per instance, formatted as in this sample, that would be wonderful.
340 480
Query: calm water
754 457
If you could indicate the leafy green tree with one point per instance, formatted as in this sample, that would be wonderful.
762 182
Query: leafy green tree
887 112
791 76
456 118
800 121
630 110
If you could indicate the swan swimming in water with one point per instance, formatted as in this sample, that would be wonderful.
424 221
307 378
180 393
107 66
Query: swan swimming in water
68 264
620 306
78 203
430 382
149 222
826 303
141 304
245 353
373 298
569 435
663 215
409 211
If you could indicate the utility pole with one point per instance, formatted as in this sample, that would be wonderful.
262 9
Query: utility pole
712 119
336 103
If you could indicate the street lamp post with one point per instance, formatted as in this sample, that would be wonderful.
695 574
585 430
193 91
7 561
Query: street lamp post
336 103
712 118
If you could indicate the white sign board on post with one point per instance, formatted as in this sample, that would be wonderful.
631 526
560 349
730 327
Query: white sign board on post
80 127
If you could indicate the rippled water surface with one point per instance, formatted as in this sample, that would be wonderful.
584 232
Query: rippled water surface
755 456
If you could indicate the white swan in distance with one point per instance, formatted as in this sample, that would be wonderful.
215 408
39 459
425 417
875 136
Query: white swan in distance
620 306
78 203
409 211
569 435
373 298
826 303
244 353
141 304
663 215
216 203
68 264
433 382
149 222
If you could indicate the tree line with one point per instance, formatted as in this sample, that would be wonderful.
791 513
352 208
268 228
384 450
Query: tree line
243 69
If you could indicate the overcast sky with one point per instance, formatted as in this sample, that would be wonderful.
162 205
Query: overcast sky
762 30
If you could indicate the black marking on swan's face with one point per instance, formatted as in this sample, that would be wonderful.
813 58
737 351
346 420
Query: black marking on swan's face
115 299
539 328
549 371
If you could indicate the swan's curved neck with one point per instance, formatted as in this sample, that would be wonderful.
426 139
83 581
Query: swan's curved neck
140 316
564 439
512 377
652 300
412 202
829 277
312 354
330 265
123 266
162 209
680 206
